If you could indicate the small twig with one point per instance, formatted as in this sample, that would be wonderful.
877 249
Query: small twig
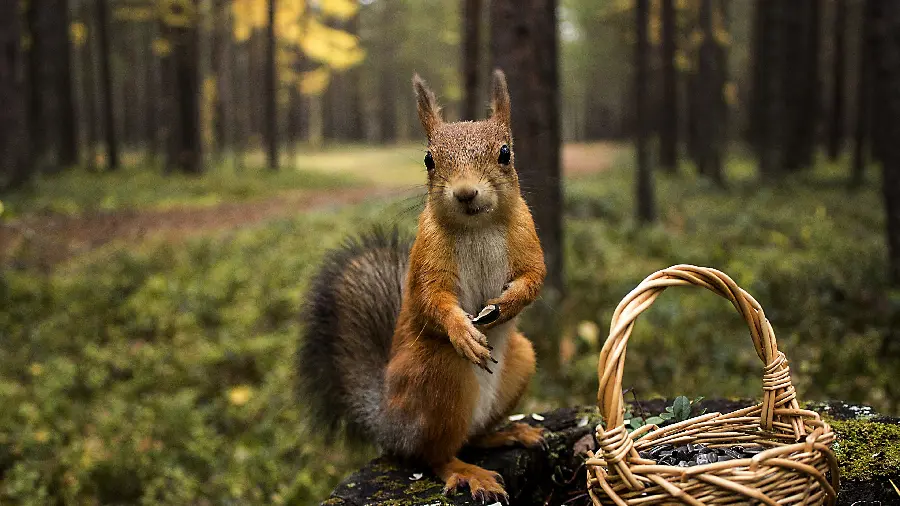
573 499
636 401
895 486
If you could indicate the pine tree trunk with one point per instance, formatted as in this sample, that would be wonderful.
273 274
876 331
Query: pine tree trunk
711 112
185 143
88 70
862 132
59 49
836 130
524 45
35 87
471 58
668 134
271 91
771 96
14 159
646 208
887 82
108 118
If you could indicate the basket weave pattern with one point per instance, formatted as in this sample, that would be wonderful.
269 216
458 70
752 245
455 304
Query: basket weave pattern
797 443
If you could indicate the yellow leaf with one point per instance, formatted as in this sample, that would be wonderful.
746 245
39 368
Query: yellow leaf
589 332
36 369
314 82
162 47
41 436
730 92
239 395
339 9
78 33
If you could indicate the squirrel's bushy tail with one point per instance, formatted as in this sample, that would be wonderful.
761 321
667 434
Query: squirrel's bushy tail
349 318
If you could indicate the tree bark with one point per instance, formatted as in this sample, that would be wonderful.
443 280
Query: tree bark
836 130
770 97
646 207
14 159
185 153
668 134
271 91
108 118
712 111
35 111
862 131
59 51
524 45
887 82
471 58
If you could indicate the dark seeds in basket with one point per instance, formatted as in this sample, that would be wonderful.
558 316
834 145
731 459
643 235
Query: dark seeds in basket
697 454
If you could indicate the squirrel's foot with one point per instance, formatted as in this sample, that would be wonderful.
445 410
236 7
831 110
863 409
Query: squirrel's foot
484 485
521 433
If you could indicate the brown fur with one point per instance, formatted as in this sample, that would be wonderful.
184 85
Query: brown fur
430 379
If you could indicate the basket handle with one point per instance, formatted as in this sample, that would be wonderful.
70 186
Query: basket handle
778 391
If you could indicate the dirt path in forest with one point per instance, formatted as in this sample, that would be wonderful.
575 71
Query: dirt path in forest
51 239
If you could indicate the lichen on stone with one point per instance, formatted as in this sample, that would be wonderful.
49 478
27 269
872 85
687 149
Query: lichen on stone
867 450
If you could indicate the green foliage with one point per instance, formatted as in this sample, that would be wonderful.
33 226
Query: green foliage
680 410
809 251
78 190
163 374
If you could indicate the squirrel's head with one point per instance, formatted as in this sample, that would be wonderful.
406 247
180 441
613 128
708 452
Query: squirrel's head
471 175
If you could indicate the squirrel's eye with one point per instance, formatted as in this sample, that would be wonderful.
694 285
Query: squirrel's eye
429 162
504 155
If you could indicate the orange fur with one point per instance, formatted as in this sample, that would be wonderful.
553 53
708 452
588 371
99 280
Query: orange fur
430 380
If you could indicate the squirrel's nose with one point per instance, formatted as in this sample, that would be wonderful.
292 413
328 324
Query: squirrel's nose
465 194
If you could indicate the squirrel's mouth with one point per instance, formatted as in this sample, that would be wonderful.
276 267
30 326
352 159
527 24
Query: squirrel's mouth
476 210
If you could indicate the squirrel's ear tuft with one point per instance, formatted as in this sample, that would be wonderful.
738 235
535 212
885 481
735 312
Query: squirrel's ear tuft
500 98
429 112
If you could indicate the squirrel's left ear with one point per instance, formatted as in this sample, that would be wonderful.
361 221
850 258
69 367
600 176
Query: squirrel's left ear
429 112
500 98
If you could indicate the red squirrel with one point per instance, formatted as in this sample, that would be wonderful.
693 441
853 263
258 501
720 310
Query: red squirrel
392 350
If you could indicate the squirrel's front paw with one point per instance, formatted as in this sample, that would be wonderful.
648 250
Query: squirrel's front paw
473 345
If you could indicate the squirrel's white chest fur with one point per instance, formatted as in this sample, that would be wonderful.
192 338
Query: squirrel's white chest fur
482 261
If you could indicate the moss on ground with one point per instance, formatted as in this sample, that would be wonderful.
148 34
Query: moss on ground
867 450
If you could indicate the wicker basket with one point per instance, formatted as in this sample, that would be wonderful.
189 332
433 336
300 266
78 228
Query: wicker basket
797 443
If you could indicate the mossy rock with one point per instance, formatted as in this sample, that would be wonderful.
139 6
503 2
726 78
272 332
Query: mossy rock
867 447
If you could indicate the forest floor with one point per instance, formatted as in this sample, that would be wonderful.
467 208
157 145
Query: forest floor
52 236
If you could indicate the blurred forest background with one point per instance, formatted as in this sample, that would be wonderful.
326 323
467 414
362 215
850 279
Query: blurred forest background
172 171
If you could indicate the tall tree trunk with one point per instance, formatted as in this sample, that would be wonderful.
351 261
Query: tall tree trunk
471 58
271 91
59 50
14 159
711 94
226 79
646 206
152 99
35 111
185 142
108 118
771 95
387 79
524 45
836 130
668 134
354 129
887 80
862 132
88 70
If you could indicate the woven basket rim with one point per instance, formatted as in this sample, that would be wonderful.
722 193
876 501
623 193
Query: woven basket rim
799 440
